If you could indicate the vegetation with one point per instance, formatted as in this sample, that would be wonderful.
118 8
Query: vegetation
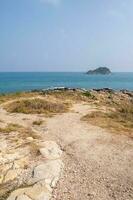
118 120
23 132
89 95
100 70
36 106
16 95
19 139
117 106
38 123
71 96
68 96
10 128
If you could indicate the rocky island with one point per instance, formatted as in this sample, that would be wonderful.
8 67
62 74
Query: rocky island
100 70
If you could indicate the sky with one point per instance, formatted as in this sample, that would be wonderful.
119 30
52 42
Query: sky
66 35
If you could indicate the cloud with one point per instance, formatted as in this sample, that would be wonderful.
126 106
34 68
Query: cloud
52 2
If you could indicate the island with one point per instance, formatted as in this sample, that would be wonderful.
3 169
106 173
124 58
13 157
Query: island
100 70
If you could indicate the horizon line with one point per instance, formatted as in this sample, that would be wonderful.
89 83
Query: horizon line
58 71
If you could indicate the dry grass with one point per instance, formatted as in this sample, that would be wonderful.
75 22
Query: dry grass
68 95
36 106
89 95
17 136
119 120
22 132
15 96
38 123
10 128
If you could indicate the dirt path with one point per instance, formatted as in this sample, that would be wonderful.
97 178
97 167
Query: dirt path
98 165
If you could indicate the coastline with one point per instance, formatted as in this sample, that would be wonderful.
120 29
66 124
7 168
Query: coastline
16 82
54 89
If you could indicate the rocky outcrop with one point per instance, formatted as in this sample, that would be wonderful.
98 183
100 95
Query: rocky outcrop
104 90
44 175
100 70
50 150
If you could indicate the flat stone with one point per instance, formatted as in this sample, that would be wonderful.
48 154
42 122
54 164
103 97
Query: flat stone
21 163
48 171
12 174
50 150
37 192
23 197
12 156
3 145
16 193
29 139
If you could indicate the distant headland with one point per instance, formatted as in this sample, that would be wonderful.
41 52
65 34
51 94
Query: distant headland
99 70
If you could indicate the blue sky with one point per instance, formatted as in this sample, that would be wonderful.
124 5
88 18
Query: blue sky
66 35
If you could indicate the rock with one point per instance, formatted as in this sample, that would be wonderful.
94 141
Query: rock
23 197
12 174
22 163
1 178
37 192
12 156
50 150
104 90
16 193
3 145
29 139
44 176
100 70
49 171
129 93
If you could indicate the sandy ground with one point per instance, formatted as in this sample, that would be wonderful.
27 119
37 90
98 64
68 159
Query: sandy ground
98 164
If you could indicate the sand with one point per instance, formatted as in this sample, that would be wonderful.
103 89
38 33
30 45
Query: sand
98 164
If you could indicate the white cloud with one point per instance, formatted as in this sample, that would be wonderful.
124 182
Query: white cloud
52 2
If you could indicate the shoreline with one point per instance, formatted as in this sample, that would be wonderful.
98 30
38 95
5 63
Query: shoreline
63 89
50 89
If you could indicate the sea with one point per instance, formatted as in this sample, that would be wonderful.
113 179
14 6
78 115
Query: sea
27 81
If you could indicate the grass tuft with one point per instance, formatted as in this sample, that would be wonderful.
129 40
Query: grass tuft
38 123
89 95
10 128
36 106
119 120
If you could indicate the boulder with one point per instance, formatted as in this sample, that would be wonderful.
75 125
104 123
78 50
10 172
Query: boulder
49 171
50 150
37 192
12 174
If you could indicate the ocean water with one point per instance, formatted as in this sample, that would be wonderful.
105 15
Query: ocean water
23 81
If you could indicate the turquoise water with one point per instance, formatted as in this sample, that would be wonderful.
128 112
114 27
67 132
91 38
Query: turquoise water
12 82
